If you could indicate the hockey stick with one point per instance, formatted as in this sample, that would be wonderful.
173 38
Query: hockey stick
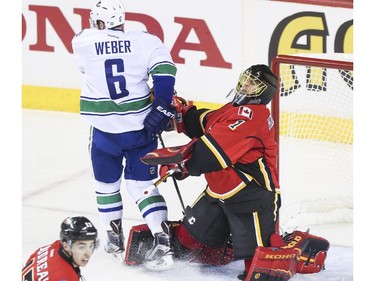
189 216
159 181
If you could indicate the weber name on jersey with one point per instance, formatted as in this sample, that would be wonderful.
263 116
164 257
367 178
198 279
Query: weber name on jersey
120 63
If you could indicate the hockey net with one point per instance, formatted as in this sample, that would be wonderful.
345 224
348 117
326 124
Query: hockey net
313 112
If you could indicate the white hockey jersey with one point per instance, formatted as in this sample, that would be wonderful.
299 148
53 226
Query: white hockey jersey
116 66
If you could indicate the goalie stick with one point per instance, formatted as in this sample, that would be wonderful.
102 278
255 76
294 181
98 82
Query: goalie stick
166 156
185 210
159 181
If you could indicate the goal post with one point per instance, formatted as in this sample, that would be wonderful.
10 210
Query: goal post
313 114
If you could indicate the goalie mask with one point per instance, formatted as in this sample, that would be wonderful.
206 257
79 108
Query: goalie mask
111 12
256 85
77 228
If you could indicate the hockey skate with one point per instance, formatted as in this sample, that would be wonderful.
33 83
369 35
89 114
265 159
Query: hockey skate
115 241
160 256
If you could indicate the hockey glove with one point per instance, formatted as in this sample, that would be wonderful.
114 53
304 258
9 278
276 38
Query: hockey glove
181 107
158 118
180 171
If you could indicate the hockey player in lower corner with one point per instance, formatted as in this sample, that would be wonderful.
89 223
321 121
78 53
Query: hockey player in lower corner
62 259
124 118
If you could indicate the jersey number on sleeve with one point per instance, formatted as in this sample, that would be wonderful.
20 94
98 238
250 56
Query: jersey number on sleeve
115 81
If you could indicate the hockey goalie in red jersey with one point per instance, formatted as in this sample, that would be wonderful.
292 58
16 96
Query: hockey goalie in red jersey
235 217
62 259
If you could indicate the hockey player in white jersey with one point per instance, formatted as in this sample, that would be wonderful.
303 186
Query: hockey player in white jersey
125 119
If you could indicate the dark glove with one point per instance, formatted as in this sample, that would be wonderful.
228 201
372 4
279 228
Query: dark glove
180 171
158 118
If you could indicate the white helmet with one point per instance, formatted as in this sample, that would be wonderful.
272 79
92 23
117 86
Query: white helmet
111 12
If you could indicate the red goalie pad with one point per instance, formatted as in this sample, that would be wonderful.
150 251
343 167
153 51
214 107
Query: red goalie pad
185 247
140 240
192 250
169 155
273 264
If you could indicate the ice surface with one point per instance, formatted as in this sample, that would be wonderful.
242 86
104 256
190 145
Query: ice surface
56 183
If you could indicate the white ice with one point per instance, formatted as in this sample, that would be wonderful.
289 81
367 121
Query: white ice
56 183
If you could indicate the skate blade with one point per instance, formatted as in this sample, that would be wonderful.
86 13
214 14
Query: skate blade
164 263
118 257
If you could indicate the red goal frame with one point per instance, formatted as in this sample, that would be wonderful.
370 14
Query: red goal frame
299 60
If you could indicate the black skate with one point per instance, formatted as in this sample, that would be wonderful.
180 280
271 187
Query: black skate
115 241
160 256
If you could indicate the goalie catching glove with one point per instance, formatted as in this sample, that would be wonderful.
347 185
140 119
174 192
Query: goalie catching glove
313 250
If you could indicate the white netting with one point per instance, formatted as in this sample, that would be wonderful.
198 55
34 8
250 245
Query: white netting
316 137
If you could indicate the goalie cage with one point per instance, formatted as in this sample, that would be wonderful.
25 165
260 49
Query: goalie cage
313 113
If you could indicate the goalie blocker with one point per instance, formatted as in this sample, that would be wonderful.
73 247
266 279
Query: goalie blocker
296 252
169 155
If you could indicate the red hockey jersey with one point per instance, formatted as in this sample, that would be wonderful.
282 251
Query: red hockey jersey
236 145
50 263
